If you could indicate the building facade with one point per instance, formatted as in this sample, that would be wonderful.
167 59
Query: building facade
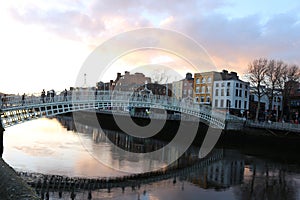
183 88
203 86
232 95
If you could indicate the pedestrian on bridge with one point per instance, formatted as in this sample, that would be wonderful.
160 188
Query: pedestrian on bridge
23 99
3 99
43 96
65 95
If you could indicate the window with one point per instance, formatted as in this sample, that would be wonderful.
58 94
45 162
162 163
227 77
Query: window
235 105
228 84
216 103
197 81
217 92
246 86
190 91
185 84
228 92
203 80
208 99
203 89
209 79
240 103
240 93
184 92
217 84
222 103
246 94
222 92
236 92
197 89
196 99
228 103
237 85
245 105
223 84
208 89
202 99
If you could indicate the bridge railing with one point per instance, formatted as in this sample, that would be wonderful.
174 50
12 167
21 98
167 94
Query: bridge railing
87 95
274 125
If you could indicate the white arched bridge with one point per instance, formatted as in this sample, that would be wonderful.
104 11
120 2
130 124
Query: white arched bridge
16 109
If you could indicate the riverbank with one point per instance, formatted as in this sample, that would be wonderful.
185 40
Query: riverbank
12 187
245 136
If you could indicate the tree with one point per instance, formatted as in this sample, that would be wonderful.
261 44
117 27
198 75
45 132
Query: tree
290 75
274 70
257 74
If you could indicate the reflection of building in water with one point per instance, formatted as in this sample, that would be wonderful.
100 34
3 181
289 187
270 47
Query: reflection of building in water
222 173
226 169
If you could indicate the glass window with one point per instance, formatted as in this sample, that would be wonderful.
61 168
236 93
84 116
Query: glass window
223 84
245 105
208 89
197 81
228 92
228 84
203 89
208 99
209 79
202 99
236 84
236 92
217 92
222 92
197 89
240 93
203 80
222 103
246 94
217 84
216 103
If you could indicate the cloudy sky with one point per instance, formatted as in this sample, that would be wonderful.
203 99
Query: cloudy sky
43 44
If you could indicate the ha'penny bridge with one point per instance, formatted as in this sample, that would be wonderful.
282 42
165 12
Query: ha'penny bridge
16 110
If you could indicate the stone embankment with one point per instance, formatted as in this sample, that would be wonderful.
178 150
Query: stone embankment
13 187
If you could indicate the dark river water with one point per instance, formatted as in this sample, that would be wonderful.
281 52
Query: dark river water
55 146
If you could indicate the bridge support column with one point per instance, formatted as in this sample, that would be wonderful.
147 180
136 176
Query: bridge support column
1 136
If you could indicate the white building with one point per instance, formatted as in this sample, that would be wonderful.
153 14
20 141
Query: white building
231 94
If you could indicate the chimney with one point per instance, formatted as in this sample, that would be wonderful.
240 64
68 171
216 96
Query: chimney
188 76
127 73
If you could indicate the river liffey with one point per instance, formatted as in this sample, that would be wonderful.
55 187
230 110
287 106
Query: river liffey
56 147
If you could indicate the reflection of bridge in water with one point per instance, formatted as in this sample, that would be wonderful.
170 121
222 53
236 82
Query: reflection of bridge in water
220 169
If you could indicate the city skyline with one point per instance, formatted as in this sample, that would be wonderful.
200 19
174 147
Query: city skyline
44 44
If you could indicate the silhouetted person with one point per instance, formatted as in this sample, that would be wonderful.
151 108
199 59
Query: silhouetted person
90 195
60 194
4 101
43 96
23 99
65 95
73 195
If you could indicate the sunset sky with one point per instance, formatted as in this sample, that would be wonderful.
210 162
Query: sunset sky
43 44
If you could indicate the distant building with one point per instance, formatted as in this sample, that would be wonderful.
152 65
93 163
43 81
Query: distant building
203 86
130 82
231 93
126 82
184 87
